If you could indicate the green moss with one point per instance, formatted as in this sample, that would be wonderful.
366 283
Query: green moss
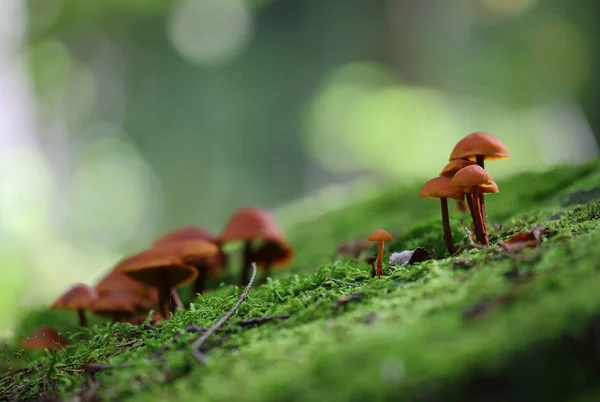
517 326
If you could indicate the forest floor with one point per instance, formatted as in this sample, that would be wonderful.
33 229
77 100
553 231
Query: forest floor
484 325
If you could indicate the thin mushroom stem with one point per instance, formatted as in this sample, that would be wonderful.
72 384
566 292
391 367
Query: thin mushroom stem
82 318
379 260
446 224
480 160
175 300
479 232
163 301
483 217
469 198
247 260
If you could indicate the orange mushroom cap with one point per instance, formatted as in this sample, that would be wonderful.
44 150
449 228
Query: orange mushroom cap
490 189
440 187
185 233
273 253
44 338
250 224
480 143
471 176
454 166
158 267
77 297
380 235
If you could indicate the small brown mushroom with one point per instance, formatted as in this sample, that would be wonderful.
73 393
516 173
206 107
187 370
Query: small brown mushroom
159 268
118 305
479 147
44 338
116 282
273 253
380 236
441 188
472 179
79 297
248 225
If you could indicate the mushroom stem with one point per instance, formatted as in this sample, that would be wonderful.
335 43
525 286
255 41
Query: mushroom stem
163 301
373 271
82 318
479 231
247 260
446 224
469 197
480 160
379 260
200 282
175 300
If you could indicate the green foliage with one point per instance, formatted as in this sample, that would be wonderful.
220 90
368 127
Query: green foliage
484 321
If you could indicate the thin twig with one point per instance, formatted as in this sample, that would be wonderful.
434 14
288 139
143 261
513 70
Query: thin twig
469 234
198 344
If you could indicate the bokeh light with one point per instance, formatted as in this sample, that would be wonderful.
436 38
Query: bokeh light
210 31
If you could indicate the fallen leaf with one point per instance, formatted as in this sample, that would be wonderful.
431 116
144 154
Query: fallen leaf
523 240
419 254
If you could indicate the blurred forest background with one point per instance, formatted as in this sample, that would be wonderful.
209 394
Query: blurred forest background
120 119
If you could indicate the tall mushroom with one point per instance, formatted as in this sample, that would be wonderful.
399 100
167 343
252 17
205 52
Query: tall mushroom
471 179
449 171
273 253
380 236
78 297
248 225
159 268
44 338
479 147
441 188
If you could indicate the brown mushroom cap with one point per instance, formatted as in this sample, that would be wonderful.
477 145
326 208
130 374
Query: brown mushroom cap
117 282
440 187
185 233
78 297
380 235
250 224
158 267
471 176
454 166
193 252
480 143
273 253
44 338
116 303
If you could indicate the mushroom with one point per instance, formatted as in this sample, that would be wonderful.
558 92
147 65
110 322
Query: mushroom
371 260
115 281
248 225
479 147
203 255
471 180
441 188
44 338
273 253
449 171
159 268
117 305
79 297
380 236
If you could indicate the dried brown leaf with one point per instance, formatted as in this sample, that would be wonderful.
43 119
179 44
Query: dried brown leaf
523 240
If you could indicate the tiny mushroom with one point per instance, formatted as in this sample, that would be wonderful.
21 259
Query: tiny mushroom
472 180
203 255
371 260
380 236
479 147
248 225
117 282
273 253
118 305
44 338
441 188
79 297
159 268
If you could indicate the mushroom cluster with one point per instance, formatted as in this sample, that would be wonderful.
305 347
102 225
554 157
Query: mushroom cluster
465 177
149 279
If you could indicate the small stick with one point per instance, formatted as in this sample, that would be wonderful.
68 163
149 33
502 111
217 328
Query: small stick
196 346
469 234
